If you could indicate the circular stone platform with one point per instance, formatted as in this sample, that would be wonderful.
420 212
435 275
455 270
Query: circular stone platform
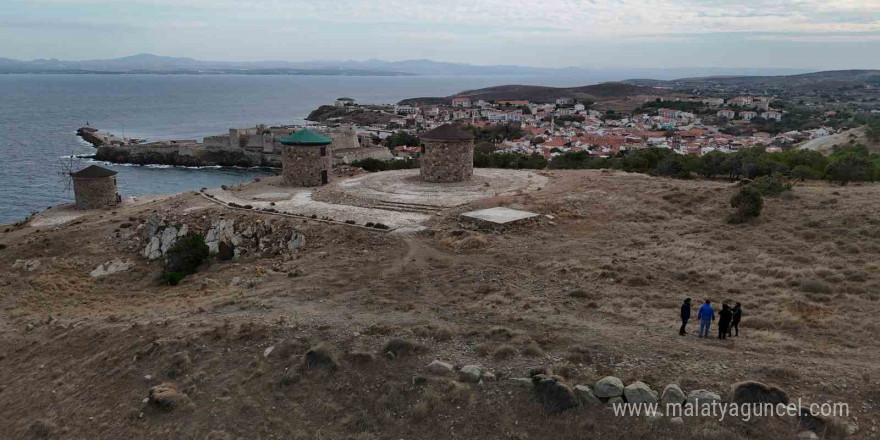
405 186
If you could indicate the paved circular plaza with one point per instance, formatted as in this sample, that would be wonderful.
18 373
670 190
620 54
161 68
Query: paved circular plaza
405 186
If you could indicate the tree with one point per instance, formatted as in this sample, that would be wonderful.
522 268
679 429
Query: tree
803 172
538 140
748 204
851 167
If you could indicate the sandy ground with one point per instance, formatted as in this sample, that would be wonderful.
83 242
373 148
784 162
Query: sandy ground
853 136
591 292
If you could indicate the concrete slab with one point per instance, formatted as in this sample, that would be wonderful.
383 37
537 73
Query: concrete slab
496 219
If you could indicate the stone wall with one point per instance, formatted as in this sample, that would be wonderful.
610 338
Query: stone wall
95 193
303 165
447 161
350 155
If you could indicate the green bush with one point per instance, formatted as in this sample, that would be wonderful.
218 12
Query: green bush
748 203
374 165
771 186
184 258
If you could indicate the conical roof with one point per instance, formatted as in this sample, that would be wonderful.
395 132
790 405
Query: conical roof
94 171
447 132
306 137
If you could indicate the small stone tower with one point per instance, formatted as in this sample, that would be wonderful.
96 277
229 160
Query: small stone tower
447 155
306 159
94 188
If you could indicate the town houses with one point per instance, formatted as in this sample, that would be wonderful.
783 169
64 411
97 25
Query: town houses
565 124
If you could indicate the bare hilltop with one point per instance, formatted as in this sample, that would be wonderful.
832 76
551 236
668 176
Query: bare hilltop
317 329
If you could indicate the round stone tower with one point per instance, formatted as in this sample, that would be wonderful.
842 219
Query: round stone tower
306 159
447 155
94 188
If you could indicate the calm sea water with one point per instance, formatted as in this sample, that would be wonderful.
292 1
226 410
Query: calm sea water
39 115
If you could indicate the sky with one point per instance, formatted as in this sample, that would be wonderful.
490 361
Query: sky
801 34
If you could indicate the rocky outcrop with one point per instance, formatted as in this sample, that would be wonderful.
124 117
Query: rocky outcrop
110 268
185 155
161 240
585 395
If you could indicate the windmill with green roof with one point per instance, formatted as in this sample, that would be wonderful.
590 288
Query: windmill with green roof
306 159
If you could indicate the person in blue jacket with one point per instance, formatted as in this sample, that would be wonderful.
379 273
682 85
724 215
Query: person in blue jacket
706 315
685 315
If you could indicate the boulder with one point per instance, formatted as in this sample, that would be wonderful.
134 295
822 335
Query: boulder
639 392
672 394
615 400
585 395
676 421
167 397
523 382
555 396
153 251
297 241
697 398
756 392
470 373
608 387
440 368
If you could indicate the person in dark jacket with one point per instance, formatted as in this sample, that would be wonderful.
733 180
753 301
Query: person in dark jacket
724 321
736 315
685 315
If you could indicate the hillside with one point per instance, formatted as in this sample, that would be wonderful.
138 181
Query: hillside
331 340
600 93
828 80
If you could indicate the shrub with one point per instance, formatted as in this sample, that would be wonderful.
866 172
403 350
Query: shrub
184 258
748 203
771 186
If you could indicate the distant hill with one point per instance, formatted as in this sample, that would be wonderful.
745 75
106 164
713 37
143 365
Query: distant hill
805 81
149 63
541 94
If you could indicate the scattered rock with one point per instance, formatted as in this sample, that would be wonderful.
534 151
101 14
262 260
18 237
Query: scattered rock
219 435
823 427
221 229
28 265
757 392
234 281
608 387
110 268
585 395
676 421
268 351
615 400
440 368
167 397
470 373
553 394
639 392
672 394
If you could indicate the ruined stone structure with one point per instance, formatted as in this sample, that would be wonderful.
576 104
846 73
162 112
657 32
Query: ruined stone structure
306 159
447 155
94 188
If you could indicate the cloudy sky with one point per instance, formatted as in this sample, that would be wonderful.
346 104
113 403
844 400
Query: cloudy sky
810 34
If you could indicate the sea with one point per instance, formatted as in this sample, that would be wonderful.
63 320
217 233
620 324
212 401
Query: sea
40 113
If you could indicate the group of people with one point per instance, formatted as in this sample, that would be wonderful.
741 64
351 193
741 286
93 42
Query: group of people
729 318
